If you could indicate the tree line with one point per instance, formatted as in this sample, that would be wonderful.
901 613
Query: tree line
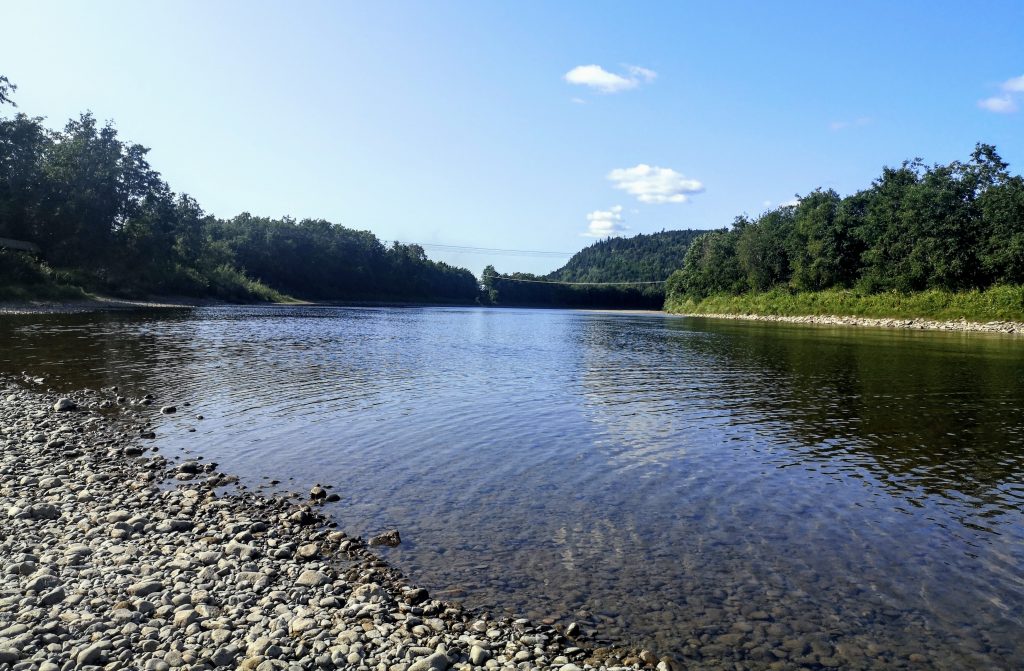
641 258
953 227
102 215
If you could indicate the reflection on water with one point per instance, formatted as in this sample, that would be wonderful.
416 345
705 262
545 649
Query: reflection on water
746 492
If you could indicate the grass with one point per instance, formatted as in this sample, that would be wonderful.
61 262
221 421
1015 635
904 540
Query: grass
999 303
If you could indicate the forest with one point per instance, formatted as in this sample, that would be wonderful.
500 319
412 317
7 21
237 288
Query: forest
940 228
644 258
103 219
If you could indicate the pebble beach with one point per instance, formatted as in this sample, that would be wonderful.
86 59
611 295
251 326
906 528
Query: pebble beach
114 556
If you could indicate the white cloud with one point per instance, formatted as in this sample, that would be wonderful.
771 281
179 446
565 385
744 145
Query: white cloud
605 223
601 80
998 104
651 184
579 101
643 74
1007 103
1014 85
856 123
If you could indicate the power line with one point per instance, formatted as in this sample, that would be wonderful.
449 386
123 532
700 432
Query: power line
513 279
487 250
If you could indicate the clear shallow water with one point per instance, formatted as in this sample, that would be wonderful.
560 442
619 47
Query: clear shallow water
717 490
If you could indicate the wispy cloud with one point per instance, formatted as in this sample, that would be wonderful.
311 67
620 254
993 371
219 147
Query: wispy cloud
999 104
1013 90
651 184
1014 85
605 223
599 79
856 123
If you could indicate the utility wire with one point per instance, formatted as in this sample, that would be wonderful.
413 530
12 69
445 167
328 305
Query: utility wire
488 250
513 279
523 252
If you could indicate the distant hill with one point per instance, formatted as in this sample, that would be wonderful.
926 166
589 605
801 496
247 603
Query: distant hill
640 258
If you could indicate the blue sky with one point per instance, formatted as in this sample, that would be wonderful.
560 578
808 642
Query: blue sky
483 124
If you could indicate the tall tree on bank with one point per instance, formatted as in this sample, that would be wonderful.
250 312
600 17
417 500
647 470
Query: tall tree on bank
954 227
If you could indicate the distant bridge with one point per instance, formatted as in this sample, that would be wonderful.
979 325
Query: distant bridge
20 245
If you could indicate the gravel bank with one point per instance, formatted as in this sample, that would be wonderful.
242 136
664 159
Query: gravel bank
916 324
94 304
113 557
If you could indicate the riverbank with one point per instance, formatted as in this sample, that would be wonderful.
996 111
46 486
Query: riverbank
116 557
94 303
838 320
998 309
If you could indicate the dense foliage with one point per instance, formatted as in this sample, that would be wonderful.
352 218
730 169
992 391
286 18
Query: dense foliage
103 216
951 228
642 258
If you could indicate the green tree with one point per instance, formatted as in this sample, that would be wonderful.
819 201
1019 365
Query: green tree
711 265
1002 213
763 249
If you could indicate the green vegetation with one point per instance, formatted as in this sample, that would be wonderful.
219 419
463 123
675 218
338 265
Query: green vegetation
642 258
106 221
944 241
998 303
24 278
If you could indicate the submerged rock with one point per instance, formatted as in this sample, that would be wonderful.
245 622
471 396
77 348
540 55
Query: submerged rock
388 538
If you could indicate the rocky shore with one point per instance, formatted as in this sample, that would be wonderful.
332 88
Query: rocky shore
115 557
875 322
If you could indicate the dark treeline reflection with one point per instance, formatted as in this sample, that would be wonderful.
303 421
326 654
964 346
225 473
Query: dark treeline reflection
926 414
98 349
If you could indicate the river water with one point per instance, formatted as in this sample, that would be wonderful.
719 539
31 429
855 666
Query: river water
730 493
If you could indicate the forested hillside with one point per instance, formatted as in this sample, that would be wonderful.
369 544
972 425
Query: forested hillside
642 258
940 228
105 220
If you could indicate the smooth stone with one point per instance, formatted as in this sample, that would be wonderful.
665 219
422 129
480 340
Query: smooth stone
64 405
478 656
312 579
146 588
435 662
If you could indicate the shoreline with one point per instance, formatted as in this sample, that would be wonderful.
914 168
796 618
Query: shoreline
918 324
118 557
99 304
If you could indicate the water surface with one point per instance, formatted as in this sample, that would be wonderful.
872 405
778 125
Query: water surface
726 492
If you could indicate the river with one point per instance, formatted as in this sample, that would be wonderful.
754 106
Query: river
716 490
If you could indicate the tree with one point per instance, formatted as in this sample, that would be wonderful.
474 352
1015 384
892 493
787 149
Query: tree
763 249
711 265
1002 215
6 89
